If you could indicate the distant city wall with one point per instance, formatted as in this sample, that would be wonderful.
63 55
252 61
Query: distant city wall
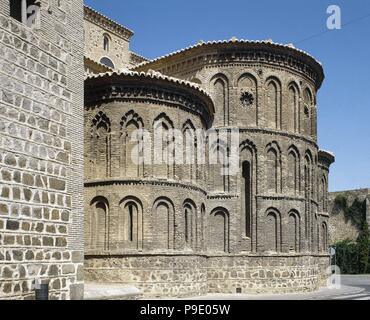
339 228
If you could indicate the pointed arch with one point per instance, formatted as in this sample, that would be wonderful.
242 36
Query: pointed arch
164 147
100 145
131 145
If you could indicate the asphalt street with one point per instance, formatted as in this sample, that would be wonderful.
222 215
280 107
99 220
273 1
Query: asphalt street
351 288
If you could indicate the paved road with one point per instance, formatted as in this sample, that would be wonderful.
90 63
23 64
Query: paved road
352 288
361 282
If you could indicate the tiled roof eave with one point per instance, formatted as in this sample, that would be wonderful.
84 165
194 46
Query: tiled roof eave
268 44
114 26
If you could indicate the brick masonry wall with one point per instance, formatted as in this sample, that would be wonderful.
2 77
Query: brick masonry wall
41 168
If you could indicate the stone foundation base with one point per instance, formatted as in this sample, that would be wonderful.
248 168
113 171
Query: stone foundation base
173 275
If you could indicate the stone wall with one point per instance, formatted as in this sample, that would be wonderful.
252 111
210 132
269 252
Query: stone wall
41 165
182 275
106 38
341 229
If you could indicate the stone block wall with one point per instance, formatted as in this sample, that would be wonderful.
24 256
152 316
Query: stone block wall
117 51
41 164
182 275
340 229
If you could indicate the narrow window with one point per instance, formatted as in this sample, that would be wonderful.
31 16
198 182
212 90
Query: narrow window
186 226
247 196
106 43
130 224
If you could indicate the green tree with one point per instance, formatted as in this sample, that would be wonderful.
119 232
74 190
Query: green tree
363 247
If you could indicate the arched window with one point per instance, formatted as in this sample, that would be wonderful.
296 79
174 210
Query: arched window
307 111
294 231
97 228
248 185
163 225
100 145
293 181
248 99
219 230
324 237
292 114
308 190
220 93
107 62
190 224
323 188
130 224
273 112
164 147
273 231
202 227
106 43
131 124
273 168
189 166
219 163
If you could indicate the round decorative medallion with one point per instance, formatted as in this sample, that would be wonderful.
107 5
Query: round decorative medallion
246 99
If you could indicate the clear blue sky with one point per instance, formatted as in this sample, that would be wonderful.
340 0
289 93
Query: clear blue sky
162 26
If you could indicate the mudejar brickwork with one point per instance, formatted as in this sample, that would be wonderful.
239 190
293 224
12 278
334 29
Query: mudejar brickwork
72 95
183 230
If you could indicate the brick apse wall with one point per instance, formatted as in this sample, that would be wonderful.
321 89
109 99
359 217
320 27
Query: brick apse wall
262 229
41 164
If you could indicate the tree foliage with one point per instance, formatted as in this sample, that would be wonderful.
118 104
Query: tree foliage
352 257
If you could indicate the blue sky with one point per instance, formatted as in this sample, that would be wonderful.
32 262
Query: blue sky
162 26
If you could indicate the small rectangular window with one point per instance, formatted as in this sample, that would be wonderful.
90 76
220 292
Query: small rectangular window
25 11
16 9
